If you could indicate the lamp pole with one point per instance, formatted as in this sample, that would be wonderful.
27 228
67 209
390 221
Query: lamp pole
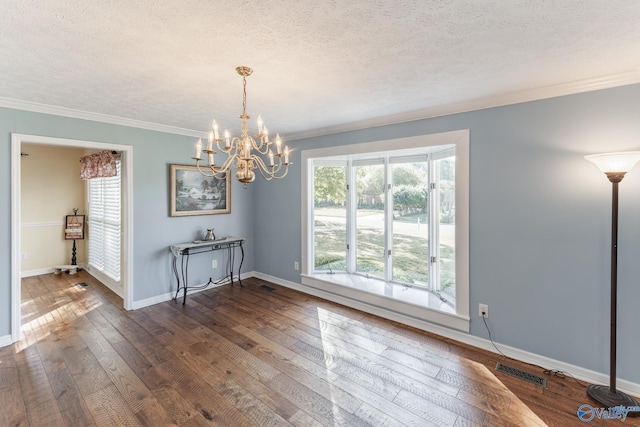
615 166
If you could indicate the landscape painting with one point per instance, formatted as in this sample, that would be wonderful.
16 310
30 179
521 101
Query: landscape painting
195 194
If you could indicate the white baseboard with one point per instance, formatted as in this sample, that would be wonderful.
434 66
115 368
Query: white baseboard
578 372
48 270
5 340
169 295
31 273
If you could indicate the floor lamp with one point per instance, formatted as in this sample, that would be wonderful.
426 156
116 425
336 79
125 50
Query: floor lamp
615 166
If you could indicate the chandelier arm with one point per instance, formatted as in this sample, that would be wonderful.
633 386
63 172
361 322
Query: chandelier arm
227 163
265 174
259 147
253 160
220 175
274 171
286 170
235 145
278 166
261 166
204 172
223 149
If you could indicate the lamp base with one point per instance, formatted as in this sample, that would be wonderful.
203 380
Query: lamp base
603 395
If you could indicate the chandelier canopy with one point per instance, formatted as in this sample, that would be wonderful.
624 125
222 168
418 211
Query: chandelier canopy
244 153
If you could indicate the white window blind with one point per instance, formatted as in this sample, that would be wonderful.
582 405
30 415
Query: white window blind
104 224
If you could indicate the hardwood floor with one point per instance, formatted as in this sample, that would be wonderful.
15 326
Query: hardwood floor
251 357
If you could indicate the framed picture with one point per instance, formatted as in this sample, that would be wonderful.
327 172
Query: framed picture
74 227
195 194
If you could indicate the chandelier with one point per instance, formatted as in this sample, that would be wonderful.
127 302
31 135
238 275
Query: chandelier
245 153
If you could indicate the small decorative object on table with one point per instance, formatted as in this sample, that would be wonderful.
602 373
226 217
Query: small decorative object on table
210 235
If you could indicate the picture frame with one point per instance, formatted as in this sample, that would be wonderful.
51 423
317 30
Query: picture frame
74 227
192 193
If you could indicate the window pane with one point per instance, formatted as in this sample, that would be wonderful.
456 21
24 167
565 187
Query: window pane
446 224
410 239
370 220
329 218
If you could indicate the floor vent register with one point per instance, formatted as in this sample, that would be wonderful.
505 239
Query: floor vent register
518 373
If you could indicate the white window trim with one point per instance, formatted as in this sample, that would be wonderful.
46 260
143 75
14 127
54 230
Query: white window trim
458 320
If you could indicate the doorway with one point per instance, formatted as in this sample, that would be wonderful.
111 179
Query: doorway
17 140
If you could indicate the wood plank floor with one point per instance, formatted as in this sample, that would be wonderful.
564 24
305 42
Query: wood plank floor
251 357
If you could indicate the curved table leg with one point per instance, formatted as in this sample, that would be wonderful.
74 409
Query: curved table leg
185 277
175 271
240 267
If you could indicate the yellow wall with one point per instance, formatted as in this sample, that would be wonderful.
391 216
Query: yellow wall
50 188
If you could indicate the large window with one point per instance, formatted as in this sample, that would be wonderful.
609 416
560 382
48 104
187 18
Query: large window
104 226
396 212
390 217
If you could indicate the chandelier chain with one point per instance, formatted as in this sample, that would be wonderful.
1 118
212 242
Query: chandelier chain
244 96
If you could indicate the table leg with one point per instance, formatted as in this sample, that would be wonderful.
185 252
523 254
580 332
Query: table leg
230 261
240 267
175 271
185 277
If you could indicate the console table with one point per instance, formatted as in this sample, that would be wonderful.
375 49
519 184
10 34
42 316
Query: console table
185 250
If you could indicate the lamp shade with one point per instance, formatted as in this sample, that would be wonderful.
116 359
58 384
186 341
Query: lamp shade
615 162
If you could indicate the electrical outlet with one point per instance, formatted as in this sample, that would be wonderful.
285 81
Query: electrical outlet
214 263
296 266
483 310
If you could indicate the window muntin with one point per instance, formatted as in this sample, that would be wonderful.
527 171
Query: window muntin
444 207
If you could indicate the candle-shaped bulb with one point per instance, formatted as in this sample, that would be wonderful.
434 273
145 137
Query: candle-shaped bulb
266 134
278 143
215 130
226 138
211 158
260 124
198 148
270 158
210 135
286 155
210 143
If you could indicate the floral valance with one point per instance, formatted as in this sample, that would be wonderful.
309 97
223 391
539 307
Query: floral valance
98 165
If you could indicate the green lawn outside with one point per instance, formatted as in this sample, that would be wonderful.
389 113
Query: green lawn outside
410 253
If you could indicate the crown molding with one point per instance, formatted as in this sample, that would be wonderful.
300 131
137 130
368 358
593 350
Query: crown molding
96 117
500 100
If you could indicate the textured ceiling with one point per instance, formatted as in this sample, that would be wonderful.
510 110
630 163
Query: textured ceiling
318 64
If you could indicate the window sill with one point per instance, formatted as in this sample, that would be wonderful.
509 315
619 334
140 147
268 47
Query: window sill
405 305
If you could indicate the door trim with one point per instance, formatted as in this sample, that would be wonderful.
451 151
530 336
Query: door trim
17 140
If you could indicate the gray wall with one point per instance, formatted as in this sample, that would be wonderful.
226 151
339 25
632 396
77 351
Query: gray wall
539 222
540 217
